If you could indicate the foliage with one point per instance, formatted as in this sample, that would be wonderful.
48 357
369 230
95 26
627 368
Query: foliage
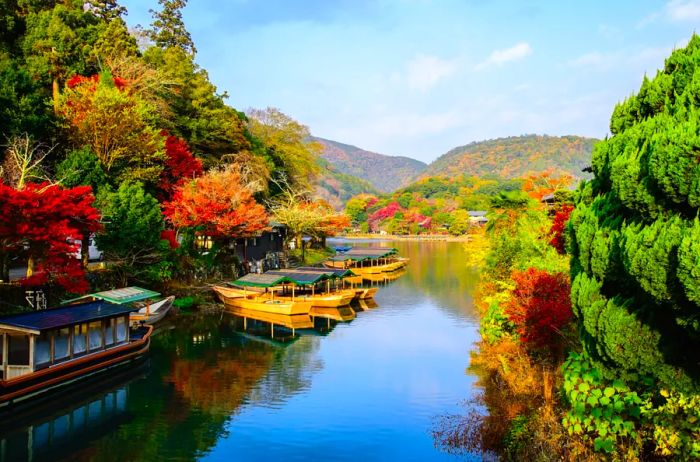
218 204
633 238
81 167
540 308
287 146
132 229
180 166
515 157
605 412
44 221
383 173
303 217
117 126
169 29
558 228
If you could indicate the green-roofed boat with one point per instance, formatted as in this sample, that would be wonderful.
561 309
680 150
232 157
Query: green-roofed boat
368 261
149 306
47 349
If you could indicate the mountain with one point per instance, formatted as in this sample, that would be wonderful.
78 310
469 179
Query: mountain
385 173
515 156
336 187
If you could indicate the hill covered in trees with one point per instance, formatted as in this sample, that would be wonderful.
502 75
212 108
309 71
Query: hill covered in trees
385 173
337 188
515 156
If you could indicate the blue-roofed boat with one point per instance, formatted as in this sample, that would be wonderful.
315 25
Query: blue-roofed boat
47 349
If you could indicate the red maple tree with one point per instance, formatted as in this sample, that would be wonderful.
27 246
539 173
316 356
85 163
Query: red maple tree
46 222
540 307
218 204
558 227
180 166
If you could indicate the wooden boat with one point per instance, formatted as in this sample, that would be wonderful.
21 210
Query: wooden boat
48 349
342 313
364 293
152 313
240 299
149 308
367 261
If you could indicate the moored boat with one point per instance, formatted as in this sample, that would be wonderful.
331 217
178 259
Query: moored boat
149 307
234 298
367 261
48 349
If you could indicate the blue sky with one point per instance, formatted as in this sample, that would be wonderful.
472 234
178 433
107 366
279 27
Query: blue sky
419 77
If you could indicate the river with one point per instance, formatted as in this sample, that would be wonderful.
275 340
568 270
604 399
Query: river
370 389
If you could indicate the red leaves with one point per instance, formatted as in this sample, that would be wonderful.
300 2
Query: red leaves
219 204
539 306
47 220
169 235
180 166
558 226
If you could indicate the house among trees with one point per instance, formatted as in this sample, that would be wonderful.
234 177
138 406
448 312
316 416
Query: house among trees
477 217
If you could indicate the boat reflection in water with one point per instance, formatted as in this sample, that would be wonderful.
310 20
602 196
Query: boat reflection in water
67 421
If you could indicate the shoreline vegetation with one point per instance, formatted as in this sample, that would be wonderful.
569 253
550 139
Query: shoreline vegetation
589 311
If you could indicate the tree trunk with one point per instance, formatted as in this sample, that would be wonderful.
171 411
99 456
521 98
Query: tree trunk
5 267
85 250
323 242
55 95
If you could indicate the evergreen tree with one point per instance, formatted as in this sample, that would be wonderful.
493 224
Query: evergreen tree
169 29
634 235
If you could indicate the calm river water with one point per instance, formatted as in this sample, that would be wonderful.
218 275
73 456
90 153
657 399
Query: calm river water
369 389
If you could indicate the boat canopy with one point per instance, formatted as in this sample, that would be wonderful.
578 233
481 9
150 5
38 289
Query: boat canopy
303 276
120 296
365 254
333 272
56 318
260 280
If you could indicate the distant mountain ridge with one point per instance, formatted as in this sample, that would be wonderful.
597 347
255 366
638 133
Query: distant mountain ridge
384 173
515 156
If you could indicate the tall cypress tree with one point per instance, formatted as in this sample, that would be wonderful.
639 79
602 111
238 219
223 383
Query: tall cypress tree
635 269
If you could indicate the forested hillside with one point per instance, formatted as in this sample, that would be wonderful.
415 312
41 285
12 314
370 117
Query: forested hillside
337 188
384 173
515 157
121 134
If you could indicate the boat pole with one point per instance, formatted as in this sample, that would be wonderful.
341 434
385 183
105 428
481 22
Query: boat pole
245 323
272 330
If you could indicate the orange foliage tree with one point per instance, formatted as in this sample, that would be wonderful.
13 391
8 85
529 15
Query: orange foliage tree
540 184
218 204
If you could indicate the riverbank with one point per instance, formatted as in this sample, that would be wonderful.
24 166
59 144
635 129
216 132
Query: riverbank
408 237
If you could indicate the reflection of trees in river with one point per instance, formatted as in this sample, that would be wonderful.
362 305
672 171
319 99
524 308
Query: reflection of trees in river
202 373
439 269
291 371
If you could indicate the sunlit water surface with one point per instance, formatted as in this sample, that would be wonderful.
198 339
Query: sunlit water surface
370 389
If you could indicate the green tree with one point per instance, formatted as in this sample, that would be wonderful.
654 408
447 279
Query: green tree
459 222
197 113
82 168
168 29
634 235
133 223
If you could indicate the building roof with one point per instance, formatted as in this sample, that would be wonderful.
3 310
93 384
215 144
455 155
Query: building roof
477 213
548 198
55 318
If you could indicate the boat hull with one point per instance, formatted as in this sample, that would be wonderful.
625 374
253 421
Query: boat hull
342 313
363 270
155 315
38 383
235 298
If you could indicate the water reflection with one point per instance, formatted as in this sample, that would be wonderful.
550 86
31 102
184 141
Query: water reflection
216 389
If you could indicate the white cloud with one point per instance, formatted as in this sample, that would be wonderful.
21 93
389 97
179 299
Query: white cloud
674 11
424 72
595 60
500 57
683 10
